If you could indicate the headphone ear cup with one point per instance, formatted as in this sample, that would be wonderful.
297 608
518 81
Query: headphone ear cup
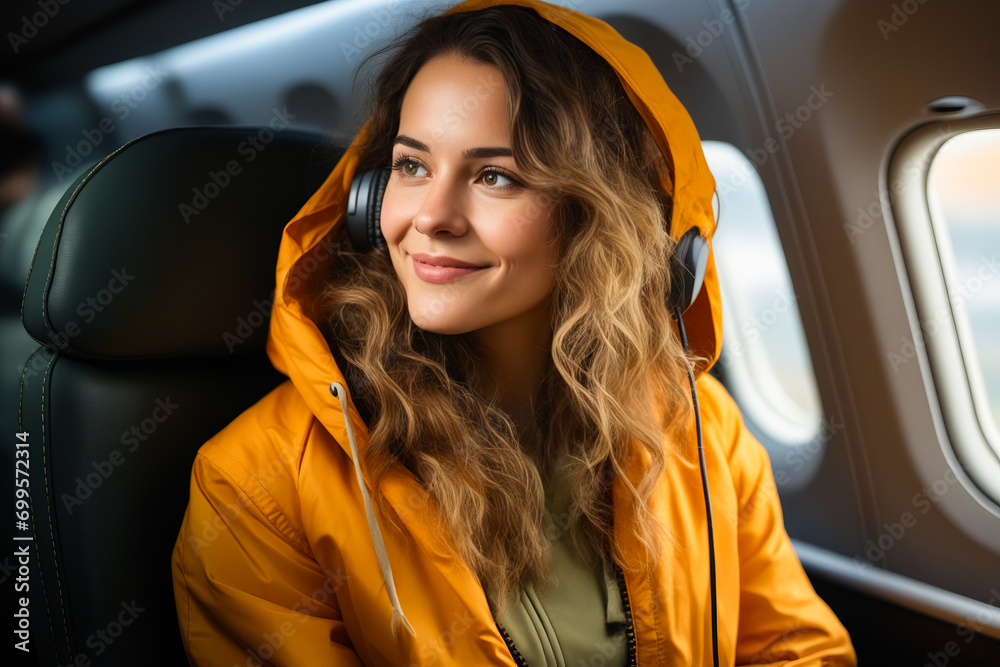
689 263
364 208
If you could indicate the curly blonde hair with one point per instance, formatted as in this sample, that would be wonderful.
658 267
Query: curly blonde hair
617 365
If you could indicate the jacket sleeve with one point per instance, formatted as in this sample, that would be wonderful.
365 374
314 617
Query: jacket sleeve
247 591
782 621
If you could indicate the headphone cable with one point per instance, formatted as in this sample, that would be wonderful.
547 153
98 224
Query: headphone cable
704 487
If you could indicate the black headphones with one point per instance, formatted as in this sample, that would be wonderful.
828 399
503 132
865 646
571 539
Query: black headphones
364 208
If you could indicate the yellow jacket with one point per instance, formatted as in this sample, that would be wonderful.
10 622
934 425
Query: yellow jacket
280 562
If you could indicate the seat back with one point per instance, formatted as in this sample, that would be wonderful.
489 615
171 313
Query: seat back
148 297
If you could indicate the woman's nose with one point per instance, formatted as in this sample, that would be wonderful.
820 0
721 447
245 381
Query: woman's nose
442 210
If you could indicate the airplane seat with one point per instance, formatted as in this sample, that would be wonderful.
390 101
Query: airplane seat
147 301
20 226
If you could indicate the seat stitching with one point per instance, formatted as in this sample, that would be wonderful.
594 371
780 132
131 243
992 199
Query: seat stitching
52 257
55 243
38 555
20 389
52 532
45 321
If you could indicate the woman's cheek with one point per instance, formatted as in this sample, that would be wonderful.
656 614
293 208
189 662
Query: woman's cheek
390 225
392 220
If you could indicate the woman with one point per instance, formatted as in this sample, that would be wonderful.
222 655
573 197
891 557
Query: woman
489 417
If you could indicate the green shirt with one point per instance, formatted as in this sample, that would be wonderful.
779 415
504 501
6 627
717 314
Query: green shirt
578 621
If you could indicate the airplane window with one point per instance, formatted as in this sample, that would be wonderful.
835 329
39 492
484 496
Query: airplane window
765 360
963 190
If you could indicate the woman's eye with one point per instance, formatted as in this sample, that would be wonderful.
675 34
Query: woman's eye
407 167
496 179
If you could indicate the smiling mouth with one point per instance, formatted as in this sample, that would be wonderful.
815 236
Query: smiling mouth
431 260
440 274
446 266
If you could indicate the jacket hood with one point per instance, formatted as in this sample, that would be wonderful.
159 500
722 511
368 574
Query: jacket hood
298 349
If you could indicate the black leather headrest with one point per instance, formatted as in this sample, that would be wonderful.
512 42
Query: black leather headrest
20 227
168 246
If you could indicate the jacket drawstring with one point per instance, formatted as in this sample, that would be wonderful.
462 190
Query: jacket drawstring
398 616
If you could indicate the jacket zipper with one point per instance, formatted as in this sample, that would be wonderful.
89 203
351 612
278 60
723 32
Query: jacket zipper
518 658
629 628
633 659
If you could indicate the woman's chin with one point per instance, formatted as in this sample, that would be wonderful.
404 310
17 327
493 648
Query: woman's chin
438 324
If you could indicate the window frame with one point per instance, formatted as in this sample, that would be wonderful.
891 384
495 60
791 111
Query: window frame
796 446
969 443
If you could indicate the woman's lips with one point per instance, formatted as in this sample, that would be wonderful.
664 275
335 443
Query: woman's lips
440 274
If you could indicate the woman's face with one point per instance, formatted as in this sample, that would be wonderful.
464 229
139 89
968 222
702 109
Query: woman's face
455 197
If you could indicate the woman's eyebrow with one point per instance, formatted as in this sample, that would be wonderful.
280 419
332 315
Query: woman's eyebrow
467 154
